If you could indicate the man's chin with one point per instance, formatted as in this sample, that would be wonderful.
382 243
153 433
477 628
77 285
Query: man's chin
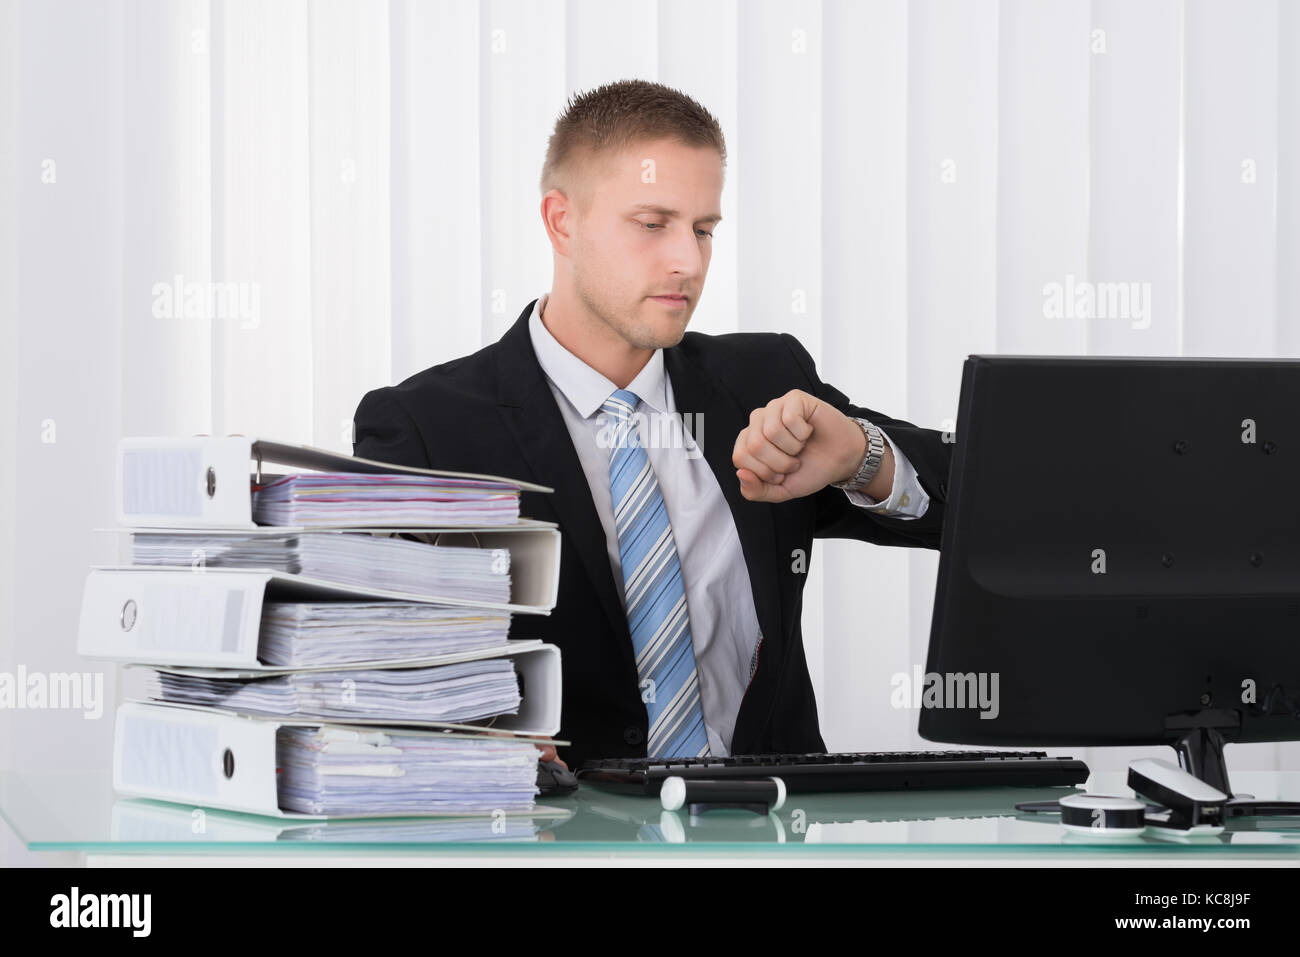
664 332
665 340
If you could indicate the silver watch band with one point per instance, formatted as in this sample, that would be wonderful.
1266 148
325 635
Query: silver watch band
870 462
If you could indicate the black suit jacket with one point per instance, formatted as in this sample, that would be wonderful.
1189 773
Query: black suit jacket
493 412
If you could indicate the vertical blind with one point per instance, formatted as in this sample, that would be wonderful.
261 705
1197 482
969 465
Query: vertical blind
908 183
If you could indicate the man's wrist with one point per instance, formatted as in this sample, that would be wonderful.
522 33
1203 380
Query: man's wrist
868 465
860 449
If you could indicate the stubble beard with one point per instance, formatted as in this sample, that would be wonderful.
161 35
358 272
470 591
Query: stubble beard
629 325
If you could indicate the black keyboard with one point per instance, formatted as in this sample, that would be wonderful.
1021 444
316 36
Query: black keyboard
865 771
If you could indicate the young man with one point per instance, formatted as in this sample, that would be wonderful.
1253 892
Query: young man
684 550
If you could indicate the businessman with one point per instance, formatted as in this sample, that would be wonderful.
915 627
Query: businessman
691 472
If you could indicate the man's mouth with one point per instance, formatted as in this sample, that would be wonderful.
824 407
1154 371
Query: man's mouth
676 301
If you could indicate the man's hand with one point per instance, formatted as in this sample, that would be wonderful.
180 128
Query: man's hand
550 754
794 446
548 750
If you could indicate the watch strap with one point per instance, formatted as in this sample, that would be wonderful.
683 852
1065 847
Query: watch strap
870 462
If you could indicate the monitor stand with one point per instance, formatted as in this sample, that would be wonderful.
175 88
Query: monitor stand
1200 753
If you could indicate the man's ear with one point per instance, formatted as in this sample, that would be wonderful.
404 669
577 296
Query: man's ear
558 213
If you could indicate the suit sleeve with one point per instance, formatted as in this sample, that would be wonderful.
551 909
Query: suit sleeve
929 455
384 431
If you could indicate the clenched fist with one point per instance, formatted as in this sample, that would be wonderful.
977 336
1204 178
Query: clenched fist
797 445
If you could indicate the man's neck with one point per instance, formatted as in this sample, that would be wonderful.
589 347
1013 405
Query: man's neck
594 342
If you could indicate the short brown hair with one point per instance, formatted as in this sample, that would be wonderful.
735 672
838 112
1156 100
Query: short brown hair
612 117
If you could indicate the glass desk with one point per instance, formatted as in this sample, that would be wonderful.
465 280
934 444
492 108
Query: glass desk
74 818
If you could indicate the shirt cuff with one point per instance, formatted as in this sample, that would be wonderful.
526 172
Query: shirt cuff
906 499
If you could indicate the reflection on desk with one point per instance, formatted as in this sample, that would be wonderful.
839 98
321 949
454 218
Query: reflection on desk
78 812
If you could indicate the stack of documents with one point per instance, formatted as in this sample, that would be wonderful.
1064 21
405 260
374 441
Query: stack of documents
360 501
353 772
445 694
302 634
346 659
341 558
235 618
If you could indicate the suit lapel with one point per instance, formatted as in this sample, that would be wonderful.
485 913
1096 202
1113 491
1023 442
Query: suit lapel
534 420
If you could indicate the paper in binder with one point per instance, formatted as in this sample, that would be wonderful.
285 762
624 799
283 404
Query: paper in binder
513 568
460 692
225 619
296 769
351 559
343 771
250 618
352 499
305 634
210 481
536 664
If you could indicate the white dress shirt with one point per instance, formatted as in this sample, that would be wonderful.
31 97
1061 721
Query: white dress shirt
719 599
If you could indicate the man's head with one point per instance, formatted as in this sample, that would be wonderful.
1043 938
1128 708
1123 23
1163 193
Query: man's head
631 191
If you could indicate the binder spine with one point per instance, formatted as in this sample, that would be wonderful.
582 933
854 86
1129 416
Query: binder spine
209 759
171 616
200 482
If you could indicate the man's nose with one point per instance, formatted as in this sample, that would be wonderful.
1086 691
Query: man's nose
685 257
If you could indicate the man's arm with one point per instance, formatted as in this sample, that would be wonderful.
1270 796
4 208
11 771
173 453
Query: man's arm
924 450
385 432
801 442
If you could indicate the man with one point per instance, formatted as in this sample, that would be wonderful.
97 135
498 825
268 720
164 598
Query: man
684 551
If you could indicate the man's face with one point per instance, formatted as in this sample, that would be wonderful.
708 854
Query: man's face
647 234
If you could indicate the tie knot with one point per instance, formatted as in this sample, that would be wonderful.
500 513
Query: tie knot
621 404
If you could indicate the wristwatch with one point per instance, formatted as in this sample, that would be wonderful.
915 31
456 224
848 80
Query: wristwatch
870 463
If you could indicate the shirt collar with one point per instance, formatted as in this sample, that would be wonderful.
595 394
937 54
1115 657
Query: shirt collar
582 385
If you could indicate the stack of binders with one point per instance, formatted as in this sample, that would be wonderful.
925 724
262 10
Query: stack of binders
328 642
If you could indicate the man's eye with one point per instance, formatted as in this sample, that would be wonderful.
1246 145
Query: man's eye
699 232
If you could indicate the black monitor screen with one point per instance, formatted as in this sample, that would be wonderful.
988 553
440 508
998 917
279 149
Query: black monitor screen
1121 555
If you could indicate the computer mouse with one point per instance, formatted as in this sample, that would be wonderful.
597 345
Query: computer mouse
554 778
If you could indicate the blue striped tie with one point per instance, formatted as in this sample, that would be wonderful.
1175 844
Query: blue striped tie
655 596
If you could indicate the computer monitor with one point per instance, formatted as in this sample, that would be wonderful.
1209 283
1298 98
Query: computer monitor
1120 560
